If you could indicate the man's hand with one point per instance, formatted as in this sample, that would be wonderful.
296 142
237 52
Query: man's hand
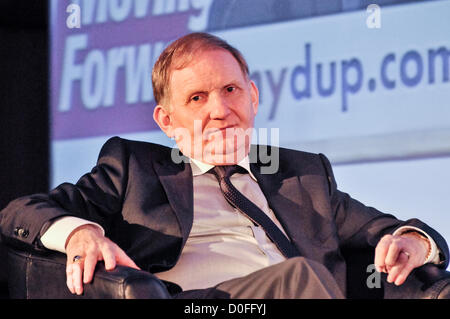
89 243
399 255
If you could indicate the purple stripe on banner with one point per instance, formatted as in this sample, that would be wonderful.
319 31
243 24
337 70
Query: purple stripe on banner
101 71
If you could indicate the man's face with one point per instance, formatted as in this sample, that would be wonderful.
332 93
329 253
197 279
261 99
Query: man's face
212 108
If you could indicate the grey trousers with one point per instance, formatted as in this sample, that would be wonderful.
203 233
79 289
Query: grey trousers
295 278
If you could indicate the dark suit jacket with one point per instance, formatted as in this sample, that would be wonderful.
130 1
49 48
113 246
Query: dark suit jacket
144 201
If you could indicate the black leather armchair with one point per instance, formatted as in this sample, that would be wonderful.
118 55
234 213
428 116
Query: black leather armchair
36 276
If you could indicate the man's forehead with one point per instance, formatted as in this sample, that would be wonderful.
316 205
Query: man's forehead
216 64
216 55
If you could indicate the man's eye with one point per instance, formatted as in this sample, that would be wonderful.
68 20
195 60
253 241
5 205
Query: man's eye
230 89
196 98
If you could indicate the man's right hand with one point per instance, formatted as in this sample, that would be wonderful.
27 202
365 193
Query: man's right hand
88 242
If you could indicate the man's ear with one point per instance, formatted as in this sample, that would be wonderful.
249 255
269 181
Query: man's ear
162 117
254 93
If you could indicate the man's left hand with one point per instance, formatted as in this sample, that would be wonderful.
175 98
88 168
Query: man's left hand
399 255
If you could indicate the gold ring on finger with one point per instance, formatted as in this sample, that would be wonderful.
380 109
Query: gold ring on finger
76 258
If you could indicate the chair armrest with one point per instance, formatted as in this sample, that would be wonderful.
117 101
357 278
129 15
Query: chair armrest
426 282
37 276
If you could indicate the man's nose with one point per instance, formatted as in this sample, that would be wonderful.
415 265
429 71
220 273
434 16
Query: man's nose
220 107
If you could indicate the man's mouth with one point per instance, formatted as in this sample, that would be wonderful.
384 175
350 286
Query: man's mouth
209 132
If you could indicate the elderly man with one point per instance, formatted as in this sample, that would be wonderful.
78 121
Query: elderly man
210 220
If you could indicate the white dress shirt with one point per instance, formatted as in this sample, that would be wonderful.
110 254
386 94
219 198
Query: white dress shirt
223 243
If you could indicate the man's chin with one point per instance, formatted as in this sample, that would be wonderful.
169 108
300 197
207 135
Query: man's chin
216 154
220 159
224 158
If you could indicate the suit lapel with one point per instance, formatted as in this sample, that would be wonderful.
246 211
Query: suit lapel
176 180
291 204
284 192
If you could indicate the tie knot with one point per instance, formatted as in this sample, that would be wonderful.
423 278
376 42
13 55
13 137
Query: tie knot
225 171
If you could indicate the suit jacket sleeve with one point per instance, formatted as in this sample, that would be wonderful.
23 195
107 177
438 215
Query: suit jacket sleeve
97 196
359 226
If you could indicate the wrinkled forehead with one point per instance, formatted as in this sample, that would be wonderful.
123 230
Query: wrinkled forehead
206 71
181 60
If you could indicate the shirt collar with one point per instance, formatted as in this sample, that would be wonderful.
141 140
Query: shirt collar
199 168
